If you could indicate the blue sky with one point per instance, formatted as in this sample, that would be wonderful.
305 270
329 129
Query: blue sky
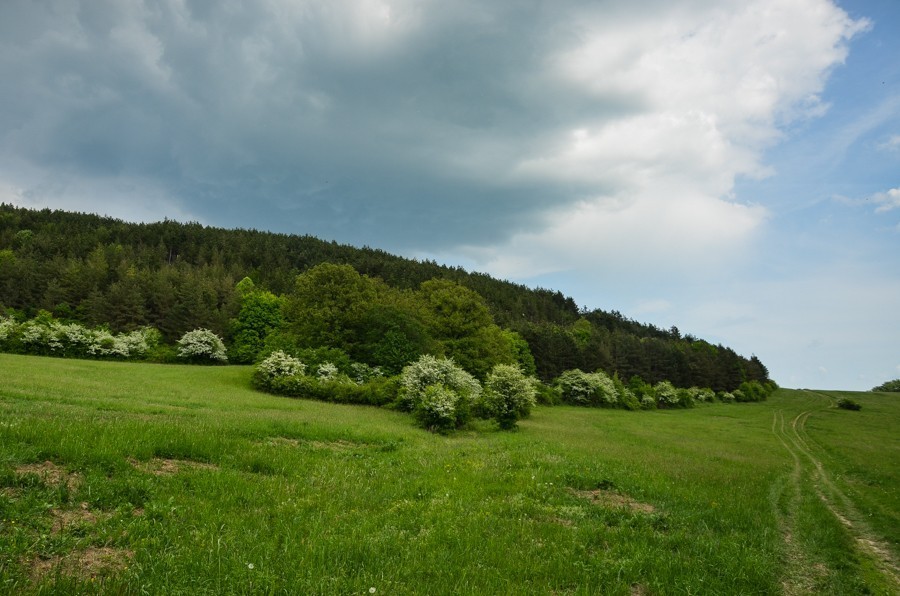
730 167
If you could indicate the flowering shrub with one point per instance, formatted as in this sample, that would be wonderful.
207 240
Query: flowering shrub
508 395
77 339
327 372
283 374
437 408
666 395
726 397
202 345
628 400
428 371
8 328
45 336
36 337
702 395
362 373
278 364
587 389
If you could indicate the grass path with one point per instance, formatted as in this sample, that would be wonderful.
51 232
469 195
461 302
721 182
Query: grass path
810 474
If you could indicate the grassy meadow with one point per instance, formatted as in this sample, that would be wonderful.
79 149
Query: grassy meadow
162 479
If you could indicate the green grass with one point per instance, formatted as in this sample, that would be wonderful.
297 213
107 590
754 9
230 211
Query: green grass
176 479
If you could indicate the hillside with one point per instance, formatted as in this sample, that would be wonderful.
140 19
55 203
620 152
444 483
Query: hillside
181 276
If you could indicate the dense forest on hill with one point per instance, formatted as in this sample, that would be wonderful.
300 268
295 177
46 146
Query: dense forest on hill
182 276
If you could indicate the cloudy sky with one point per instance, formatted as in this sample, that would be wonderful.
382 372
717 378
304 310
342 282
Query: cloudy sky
731 167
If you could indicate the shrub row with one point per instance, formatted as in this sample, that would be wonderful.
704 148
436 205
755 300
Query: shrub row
598 389
45 336
439 393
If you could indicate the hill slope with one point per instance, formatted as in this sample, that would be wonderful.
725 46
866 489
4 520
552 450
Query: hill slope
178 277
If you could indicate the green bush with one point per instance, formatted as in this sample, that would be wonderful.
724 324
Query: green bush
427 372
547 395
888 386
376 393
848 404
438 409
508 395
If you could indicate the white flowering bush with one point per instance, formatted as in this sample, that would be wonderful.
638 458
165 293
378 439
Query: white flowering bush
666 394
279 364
726 397
587 389
509 394
202 345
437 408
362 373
429 371
702 395
46 336
327 371
108 345
76 338
605 392
8 328
648 402
36 336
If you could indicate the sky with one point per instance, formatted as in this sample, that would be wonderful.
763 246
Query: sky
729 167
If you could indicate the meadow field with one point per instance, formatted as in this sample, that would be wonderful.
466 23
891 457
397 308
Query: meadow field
130 478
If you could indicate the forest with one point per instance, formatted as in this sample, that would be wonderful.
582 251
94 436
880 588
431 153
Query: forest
263 291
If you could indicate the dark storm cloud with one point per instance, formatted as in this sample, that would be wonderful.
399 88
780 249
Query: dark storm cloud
396 124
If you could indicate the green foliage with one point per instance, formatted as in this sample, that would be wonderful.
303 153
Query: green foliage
380 309
393 334
547 395
846 403
888 386
259 315
753 391
328 305
460 321
508 395
283 374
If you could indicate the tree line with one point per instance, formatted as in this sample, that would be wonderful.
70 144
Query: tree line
263 291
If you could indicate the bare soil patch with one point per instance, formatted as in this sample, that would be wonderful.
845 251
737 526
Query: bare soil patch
64 519
339 445
85 564
609 499
169 467
50 473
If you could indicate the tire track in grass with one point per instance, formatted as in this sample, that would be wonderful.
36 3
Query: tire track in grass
794 439
844 509
799 577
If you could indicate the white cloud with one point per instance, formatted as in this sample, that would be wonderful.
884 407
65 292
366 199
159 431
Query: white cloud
887 201
710 85
891 144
